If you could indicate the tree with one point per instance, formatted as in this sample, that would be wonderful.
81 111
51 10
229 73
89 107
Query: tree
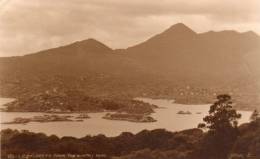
254 115
221 124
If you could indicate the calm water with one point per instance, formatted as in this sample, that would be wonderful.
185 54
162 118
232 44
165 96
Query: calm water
166 117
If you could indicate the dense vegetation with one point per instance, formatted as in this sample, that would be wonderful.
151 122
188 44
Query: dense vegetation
76 101
155 144
24 142
222 128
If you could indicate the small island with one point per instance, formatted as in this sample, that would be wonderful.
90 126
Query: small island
69 101
42 119
129 117
83 116
184 112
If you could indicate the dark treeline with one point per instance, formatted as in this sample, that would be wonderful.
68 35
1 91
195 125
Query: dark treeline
25 142
157 143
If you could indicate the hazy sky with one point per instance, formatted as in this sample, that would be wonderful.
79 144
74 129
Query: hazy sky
27 26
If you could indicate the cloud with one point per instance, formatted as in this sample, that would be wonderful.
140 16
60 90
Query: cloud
31 25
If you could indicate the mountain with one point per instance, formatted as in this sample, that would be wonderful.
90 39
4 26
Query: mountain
79 58
87 65
180 52
177 63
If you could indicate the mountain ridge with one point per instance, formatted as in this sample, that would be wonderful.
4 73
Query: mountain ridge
161 66
174 28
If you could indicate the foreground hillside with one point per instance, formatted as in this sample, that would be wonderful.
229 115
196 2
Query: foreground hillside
177 63
155 144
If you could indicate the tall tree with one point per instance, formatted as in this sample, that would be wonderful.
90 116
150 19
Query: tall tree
221 124
254 115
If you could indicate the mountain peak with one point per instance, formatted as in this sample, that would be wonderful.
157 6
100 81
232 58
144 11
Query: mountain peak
179 25
90 41
92 45
180 28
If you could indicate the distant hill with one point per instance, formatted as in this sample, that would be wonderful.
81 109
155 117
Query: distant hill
178 63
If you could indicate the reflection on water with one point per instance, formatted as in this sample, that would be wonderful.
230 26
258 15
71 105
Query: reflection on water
166 116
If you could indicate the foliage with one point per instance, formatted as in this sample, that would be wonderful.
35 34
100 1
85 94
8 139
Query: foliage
73 100
222 129
248 143
18 142
254 115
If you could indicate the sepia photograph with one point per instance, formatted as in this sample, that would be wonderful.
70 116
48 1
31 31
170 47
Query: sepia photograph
129 79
